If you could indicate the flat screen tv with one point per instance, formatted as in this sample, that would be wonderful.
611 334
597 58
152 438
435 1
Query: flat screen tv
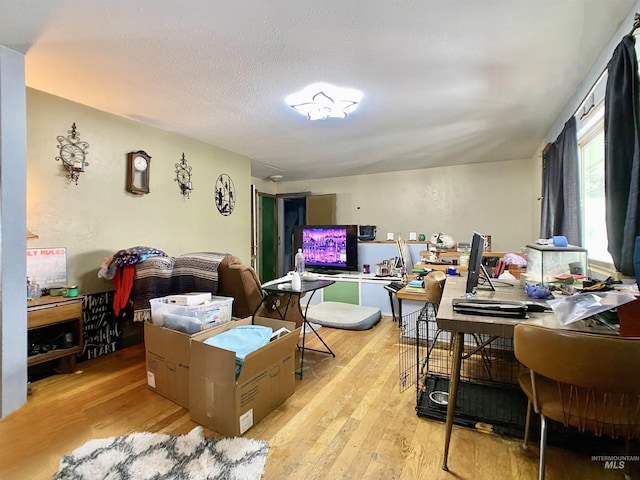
328 248
476 268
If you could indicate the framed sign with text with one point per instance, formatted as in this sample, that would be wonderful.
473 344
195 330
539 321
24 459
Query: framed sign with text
47 266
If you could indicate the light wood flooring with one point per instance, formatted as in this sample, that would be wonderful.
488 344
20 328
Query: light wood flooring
346 420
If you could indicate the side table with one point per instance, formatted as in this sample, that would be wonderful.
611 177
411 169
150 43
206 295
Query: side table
276 289
48 320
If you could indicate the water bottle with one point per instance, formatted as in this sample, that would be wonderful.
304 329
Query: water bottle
299 262
296 282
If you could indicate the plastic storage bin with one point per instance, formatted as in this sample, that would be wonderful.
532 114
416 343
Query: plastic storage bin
190 318
544 262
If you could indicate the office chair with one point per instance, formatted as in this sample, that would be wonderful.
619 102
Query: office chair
434 285
585 380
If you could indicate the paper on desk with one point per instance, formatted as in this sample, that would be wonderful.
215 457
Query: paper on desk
583 305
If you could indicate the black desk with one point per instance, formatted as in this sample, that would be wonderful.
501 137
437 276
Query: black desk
277 289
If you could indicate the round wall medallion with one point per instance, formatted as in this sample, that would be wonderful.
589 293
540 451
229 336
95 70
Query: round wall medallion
225 194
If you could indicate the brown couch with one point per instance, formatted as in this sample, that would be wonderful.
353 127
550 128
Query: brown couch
242 283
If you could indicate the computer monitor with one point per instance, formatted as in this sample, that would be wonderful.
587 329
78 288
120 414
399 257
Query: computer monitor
475 267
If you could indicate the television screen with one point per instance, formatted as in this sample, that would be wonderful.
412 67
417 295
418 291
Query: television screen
475 267
328 247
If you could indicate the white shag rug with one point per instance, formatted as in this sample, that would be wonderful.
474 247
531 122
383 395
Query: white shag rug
142 456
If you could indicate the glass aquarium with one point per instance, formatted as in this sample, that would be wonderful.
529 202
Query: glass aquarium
546 262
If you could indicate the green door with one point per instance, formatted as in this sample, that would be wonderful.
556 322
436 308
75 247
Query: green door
268 244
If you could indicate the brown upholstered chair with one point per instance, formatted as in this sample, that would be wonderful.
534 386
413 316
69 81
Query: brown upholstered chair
242 283
585 380
434 285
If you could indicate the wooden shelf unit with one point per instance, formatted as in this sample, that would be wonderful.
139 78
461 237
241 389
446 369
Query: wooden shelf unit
449 255
47 312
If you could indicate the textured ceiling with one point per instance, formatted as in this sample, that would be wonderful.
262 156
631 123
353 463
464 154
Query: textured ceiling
444 82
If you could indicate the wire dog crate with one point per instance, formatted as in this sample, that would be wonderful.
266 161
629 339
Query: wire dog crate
488 395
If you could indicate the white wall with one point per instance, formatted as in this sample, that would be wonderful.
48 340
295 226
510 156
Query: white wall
98 217
498 199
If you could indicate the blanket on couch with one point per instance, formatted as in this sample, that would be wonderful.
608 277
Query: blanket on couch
161 276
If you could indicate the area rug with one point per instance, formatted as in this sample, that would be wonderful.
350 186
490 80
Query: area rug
142 456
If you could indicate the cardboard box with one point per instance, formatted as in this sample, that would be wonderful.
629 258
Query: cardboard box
168 355
267 379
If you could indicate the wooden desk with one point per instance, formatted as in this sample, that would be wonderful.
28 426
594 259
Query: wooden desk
459 324
404 294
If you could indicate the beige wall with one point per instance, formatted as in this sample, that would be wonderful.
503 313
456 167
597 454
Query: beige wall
98 217
498 199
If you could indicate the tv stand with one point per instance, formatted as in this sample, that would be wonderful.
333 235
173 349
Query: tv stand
356 288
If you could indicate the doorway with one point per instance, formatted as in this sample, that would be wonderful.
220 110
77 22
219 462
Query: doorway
277 218
294 213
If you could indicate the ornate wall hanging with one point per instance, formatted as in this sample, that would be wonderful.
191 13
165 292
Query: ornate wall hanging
73 153
225 194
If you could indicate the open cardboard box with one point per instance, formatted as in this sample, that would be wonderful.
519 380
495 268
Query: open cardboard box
168 355
229 406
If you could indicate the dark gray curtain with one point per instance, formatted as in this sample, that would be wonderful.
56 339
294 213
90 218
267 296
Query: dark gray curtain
561 187
622 155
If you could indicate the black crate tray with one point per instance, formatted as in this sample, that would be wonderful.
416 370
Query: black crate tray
504 409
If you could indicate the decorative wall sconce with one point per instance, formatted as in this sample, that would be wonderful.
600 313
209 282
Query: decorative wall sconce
73 153
183 177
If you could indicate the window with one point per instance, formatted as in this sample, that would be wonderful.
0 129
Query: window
591 155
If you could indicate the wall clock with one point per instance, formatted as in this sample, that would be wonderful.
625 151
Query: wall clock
225 194
138 167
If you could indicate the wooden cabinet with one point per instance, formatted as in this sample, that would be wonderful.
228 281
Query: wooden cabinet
54 326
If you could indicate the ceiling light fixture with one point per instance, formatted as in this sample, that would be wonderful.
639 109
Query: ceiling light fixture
320 101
